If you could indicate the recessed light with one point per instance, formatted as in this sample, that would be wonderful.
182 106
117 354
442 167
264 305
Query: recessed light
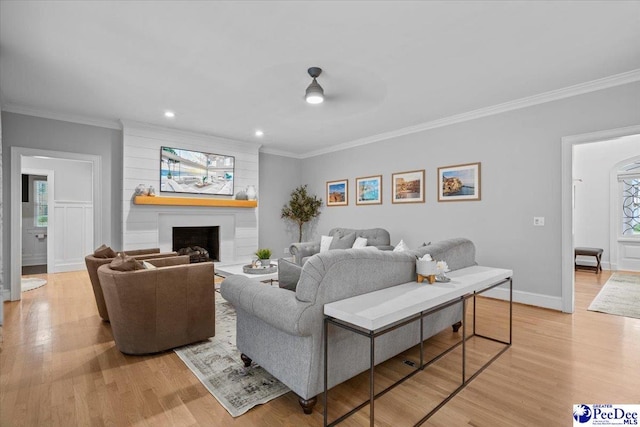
169 114
259 133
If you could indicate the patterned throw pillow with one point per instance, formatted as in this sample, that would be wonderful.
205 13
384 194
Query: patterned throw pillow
124 262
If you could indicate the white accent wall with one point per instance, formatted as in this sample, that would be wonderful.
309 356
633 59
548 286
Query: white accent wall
145 226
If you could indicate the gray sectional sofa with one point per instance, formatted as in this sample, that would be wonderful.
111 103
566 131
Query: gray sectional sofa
282 330
378 237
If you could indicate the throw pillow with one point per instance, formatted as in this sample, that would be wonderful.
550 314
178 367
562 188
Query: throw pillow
124 262
325 242
360 242
344 242
401 247
148 265
104 251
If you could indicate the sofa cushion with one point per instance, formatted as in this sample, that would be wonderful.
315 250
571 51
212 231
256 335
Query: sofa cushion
104 251
124 262
343 242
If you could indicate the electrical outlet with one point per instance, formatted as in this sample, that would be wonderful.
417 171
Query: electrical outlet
538 221
286 251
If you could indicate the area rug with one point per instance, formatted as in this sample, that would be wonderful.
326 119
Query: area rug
619 296
217 364
31 283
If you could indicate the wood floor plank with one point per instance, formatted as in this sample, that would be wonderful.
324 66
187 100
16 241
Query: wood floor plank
60 367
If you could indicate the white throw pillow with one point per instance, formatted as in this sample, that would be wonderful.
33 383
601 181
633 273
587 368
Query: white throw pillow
360 242
401 247
148 265
325 242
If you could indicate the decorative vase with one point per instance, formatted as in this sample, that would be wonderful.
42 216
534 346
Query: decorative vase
251 192
426 270
152 191
141 190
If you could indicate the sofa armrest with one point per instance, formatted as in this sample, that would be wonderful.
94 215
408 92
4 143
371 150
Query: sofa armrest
288 274
303 250
276 306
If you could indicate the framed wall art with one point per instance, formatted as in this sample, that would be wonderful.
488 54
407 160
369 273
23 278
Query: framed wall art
369 190
459 183
407 187
338 193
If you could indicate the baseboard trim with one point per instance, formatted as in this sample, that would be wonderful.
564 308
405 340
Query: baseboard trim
528 298
6 295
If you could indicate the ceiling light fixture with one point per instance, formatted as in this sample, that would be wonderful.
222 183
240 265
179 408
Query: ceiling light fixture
315 93
169 114
259 133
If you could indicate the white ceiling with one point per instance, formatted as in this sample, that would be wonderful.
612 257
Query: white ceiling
229 68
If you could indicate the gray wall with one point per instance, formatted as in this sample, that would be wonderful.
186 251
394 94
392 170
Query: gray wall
278 177
34 132
520 152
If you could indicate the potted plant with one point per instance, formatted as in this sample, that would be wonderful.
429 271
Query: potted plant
264 256
302 208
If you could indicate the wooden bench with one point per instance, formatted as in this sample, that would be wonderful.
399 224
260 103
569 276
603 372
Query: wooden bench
594 252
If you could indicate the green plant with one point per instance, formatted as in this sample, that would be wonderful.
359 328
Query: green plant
302 208
263 253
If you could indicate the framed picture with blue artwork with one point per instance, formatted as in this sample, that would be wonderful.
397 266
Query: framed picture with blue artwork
369 190
459 183
338 193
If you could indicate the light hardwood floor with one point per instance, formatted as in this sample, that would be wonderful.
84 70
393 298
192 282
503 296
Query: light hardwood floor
59 367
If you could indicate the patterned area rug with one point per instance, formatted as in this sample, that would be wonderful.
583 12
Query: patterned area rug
31 283
619 296
216 362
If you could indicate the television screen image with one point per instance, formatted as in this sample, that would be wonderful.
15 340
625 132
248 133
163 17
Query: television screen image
186 171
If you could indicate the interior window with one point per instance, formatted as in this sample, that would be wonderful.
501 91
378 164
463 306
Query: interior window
41 209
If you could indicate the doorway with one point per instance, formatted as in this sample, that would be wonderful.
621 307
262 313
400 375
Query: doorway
568 220
37 222
88 211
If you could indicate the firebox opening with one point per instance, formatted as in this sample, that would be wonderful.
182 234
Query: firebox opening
200 243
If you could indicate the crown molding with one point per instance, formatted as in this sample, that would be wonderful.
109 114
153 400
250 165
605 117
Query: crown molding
65 117
554 95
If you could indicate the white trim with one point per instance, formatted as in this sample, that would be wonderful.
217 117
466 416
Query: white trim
554 95
528 298
15 254
65 117
6 295
568 296
50 174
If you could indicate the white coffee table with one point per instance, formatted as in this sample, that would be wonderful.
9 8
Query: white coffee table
231 269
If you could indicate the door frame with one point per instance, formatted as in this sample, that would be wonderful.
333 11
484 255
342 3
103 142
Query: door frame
15 254
568 142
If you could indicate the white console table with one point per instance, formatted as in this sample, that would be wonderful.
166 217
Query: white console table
383 311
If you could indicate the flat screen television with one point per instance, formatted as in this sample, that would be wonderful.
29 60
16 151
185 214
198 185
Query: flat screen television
186 171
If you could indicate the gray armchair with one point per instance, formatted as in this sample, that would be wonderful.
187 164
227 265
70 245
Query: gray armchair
378 237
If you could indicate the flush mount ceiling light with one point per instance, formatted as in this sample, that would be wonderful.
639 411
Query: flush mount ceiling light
169 114
314 94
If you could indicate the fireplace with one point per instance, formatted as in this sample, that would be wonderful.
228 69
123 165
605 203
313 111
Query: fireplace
200 243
